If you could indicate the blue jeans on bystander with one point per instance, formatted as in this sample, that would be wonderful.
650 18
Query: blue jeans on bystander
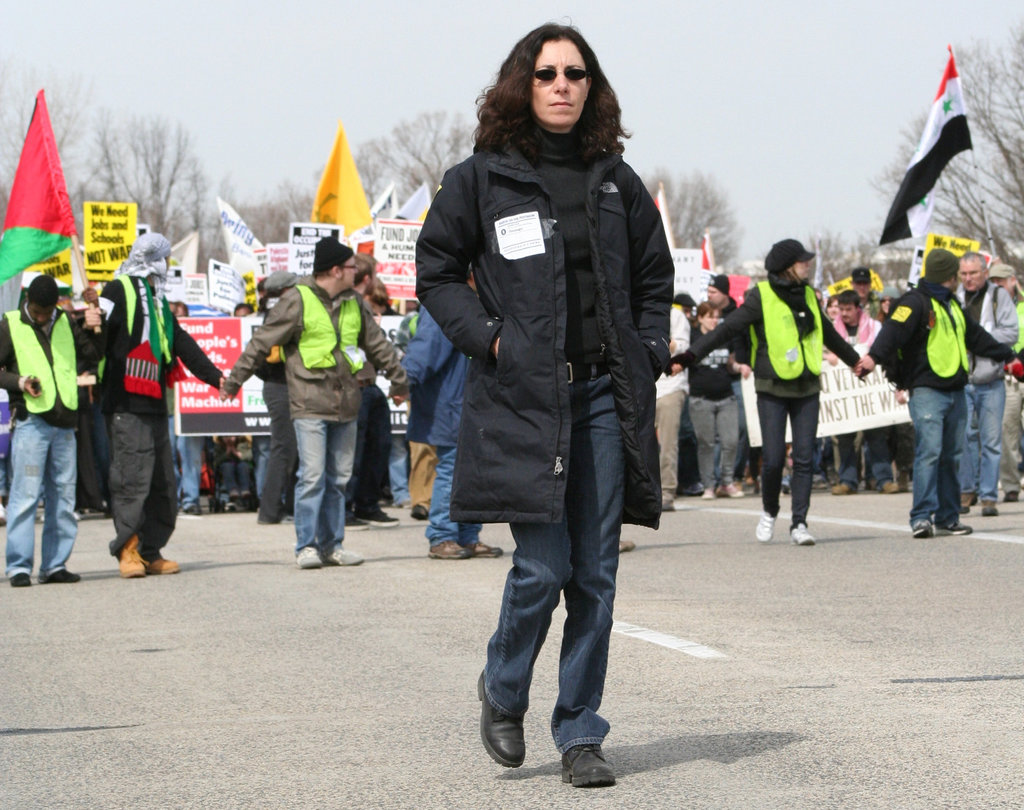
939 419
326 451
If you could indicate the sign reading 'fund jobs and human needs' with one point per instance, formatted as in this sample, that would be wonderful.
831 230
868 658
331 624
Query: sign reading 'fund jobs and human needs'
845 405
109 231
394 248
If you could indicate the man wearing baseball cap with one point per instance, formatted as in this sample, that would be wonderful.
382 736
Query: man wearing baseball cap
869 300
924 345
326 333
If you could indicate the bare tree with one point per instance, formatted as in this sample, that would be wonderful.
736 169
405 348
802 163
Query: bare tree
697 202
153 163
993 84
269 215
416 151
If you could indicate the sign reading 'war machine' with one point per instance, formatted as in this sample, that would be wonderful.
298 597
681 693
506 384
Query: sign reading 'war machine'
109 233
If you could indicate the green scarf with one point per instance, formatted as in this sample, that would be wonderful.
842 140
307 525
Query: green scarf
161 329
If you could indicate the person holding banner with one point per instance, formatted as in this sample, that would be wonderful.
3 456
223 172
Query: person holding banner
924 347
326 334
788 332
39 349
144 346
567 332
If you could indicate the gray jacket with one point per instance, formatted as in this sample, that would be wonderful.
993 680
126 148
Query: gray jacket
332 393
999 319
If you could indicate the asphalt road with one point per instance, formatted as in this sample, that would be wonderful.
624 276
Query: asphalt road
872 670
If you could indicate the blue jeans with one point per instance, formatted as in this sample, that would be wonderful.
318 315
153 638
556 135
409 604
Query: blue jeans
877 463
983 441
441 526
44 463
326 451
580 556
398 469
260 454
190 451
939 419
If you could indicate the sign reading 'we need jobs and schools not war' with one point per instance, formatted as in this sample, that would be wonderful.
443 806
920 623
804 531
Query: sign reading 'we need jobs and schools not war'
109 231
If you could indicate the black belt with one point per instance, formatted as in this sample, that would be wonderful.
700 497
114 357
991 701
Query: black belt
580 372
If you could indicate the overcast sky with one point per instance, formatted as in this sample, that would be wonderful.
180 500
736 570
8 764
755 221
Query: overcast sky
795 107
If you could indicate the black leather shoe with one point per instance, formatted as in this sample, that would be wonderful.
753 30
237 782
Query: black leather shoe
60 575
502 735
585 766
21 580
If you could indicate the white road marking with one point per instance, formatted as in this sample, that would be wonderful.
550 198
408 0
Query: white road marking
665 640
863 524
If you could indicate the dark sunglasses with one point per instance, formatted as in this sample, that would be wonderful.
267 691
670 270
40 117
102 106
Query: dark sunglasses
573 74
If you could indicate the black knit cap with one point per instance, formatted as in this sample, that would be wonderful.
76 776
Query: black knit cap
720 283
329 252
43 291
785 254
940 265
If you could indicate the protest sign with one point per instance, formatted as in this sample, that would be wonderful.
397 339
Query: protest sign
690 278
302 237
141 228
915 266
196 289
5 424
58 267
277 257
109 231
198 410
847 284
394 248
399 413
227 287
240 242
174 285
845 404
954 244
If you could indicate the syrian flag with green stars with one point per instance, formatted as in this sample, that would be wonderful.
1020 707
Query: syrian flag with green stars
945 134
39 220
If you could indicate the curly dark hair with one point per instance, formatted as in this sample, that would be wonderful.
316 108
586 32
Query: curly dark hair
505 109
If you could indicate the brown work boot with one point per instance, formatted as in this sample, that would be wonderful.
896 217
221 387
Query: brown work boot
130 561
890 488
843 489
162 566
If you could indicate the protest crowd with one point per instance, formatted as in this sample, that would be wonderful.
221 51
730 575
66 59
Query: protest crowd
139 404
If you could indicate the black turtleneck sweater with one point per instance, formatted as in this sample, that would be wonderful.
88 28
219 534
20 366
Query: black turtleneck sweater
564 174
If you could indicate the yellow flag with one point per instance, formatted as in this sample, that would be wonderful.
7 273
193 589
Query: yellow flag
340 198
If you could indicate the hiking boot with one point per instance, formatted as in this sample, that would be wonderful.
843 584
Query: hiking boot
449 550
967 500
988 509
130 561
162 566
889 488
903 480
1011 497
843 489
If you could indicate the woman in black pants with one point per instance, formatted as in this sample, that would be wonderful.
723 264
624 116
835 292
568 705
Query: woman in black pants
788 331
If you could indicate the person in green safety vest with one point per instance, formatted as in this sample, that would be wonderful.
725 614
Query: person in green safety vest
1009 476
325 332
788 332
40 346
923 347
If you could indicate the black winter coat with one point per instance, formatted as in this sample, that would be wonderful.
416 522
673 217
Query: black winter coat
513 453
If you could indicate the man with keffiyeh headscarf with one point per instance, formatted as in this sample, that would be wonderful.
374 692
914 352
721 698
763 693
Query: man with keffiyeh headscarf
144 347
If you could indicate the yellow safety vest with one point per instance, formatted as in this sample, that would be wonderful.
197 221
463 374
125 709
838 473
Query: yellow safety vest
947 351
61 377
319 338
1020 323
787 351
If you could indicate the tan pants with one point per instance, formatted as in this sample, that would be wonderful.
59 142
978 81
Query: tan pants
1009 477
667 412
422 462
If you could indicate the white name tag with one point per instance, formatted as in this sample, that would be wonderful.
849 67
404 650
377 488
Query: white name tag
520 235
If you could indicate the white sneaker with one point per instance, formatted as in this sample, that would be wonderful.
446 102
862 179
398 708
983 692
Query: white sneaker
308 557
341 556
765 528
3 515
801 536
709 495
